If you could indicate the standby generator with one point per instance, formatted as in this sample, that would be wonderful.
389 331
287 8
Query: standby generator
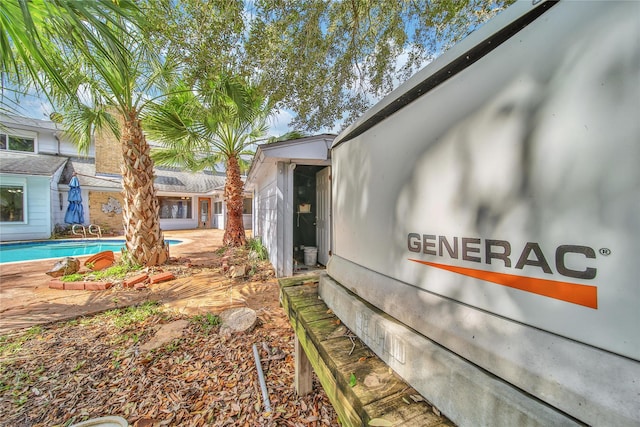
486 221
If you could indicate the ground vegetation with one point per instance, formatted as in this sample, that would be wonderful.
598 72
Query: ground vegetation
99 365
117 362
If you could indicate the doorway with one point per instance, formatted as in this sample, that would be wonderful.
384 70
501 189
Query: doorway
204 212
311 216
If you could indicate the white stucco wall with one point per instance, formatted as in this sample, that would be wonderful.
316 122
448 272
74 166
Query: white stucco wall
218 221
178 224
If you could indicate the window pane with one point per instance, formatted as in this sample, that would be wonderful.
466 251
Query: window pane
175 207
3 142
11 203
246 206
217 208
21 144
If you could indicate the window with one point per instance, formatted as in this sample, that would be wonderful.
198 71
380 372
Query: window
247 206
17 143
217 208
12 203
175 207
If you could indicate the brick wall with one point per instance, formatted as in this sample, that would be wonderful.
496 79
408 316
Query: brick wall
105 210
108 153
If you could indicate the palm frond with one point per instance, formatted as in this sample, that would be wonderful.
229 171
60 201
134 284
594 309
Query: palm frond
220 118
80 122
294 134
35 34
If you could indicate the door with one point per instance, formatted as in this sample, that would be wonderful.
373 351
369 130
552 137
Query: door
204 216
218 217
323 215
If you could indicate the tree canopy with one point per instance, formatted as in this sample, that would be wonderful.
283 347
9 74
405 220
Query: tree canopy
327 61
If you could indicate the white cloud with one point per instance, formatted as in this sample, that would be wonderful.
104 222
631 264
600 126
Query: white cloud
30 105
280 123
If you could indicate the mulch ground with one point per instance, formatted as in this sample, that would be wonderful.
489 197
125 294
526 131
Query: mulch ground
68 372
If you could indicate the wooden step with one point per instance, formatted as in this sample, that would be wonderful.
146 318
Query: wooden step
363 390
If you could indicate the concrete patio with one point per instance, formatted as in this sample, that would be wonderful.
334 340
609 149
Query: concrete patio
26 299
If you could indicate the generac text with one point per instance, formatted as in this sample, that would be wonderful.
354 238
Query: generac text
475 250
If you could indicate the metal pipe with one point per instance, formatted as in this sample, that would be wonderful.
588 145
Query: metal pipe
57 138
263 385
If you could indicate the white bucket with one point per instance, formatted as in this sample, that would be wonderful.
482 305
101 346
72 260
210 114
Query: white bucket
310 255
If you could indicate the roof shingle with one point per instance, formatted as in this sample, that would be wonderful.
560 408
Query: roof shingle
30 164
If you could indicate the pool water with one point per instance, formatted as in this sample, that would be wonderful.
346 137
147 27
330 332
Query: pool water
30 251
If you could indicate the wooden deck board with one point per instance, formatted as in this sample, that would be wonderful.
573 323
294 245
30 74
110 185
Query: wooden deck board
360 386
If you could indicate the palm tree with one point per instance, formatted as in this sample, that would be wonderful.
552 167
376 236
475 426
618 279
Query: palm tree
218 122
116 90
98 71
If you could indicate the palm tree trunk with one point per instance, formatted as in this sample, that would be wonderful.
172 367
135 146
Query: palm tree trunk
144 239
233 188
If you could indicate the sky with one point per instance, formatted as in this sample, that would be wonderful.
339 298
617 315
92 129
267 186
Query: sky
39 108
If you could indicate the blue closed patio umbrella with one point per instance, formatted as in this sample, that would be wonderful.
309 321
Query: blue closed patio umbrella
75 211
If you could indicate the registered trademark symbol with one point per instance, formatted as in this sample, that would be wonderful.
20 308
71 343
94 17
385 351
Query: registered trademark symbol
605 251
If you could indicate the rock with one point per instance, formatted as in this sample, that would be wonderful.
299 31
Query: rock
237 320
238 271
165 335
65 266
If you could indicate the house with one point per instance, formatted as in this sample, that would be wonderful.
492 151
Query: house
290 182
37 163
32 160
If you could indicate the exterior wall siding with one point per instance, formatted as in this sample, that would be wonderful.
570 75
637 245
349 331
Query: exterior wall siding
266 226
59 202
37 223
266 219
49 139
59 205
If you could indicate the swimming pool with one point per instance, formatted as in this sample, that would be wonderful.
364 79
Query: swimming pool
30 251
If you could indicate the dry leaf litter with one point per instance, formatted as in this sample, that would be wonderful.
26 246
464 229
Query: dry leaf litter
68 372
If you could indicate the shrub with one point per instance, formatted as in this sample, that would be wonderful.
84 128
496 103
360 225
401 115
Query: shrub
255 245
